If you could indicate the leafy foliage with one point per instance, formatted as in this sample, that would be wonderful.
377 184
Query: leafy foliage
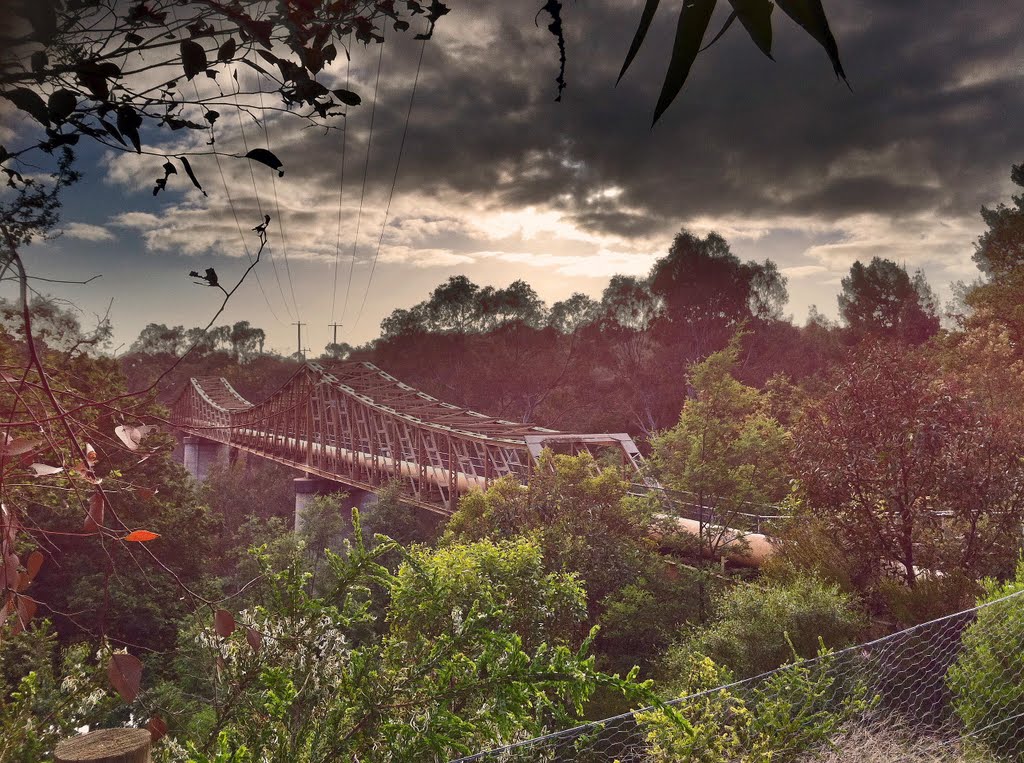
758 627
75 69
985 680
882 300
795 710
462 665
999 254
910 464
580 515
727 453
46 694
640 620
754 15
709 292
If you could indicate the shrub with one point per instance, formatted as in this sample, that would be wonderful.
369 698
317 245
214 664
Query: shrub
639 621
758 626
987 680
796 709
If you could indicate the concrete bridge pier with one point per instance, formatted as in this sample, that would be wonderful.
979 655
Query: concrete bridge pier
200 455
361 499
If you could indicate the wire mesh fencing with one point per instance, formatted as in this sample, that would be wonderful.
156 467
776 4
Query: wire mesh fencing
949 690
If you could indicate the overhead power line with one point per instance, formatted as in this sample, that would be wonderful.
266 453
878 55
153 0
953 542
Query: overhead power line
231 204
259 206
362 193
241 235
394 182
277 206
341 186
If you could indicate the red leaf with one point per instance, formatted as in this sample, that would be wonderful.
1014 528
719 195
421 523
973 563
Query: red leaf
35 561
157 727
254 638
94 519
223 623
145 493
125 674
140 536
84 470
26 611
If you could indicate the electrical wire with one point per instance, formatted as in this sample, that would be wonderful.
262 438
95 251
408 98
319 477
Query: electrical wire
259 206
362 193
231 203
341 181
277 206
241 235
394 182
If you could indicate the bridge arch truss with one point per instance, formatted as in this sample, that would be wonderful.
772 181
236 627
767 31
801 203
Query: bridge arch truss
355 424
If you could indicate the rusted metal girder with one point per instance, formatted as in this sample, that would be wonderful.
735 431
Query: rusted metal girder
353 423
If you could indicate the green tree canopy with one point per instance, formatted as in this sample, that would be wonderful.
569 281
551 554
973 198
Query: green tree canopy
726 453
470 657
882 299
757 626
1000 249
708 292
999 254
581 515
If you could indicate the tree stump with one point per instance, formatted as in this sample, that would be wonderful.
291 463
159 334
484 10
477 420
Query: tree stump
106 746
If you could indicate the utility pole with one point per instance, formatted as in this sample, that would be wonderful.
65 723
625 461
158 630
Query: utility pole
334 326
299 325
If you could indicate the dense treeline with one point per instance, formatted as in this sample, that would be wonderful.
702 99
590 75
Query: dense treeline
619 363
897 448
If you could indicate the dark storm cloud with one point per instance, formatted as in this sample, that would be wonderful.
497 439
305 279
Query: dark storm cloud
780 157
616 222
931 124
866 194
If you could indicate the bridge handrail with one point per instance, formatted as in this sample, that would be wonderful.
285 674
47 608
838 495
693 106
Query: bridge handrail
710 514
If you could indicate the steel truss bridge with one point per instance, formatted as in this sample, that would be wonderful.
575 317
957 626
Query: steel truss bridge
354 424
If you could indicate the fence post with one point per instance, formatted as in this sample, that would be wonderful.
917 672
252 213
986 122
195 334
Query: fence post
106 746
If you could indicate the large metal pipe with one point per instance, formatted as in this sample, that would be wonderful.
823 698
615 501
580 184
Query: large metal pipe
743 548
436 475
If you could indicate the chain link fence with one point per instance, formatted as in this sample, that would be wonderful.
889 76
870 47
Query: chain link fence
951 689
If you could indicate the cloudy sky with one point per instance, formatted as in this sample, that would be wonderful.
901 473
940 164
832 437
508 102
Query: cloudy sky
499 182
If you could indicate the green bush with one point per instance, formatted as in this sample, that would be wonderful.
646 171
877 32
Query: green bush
46 694
929 599
987 680
796 709
639 621
758 626
462 648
